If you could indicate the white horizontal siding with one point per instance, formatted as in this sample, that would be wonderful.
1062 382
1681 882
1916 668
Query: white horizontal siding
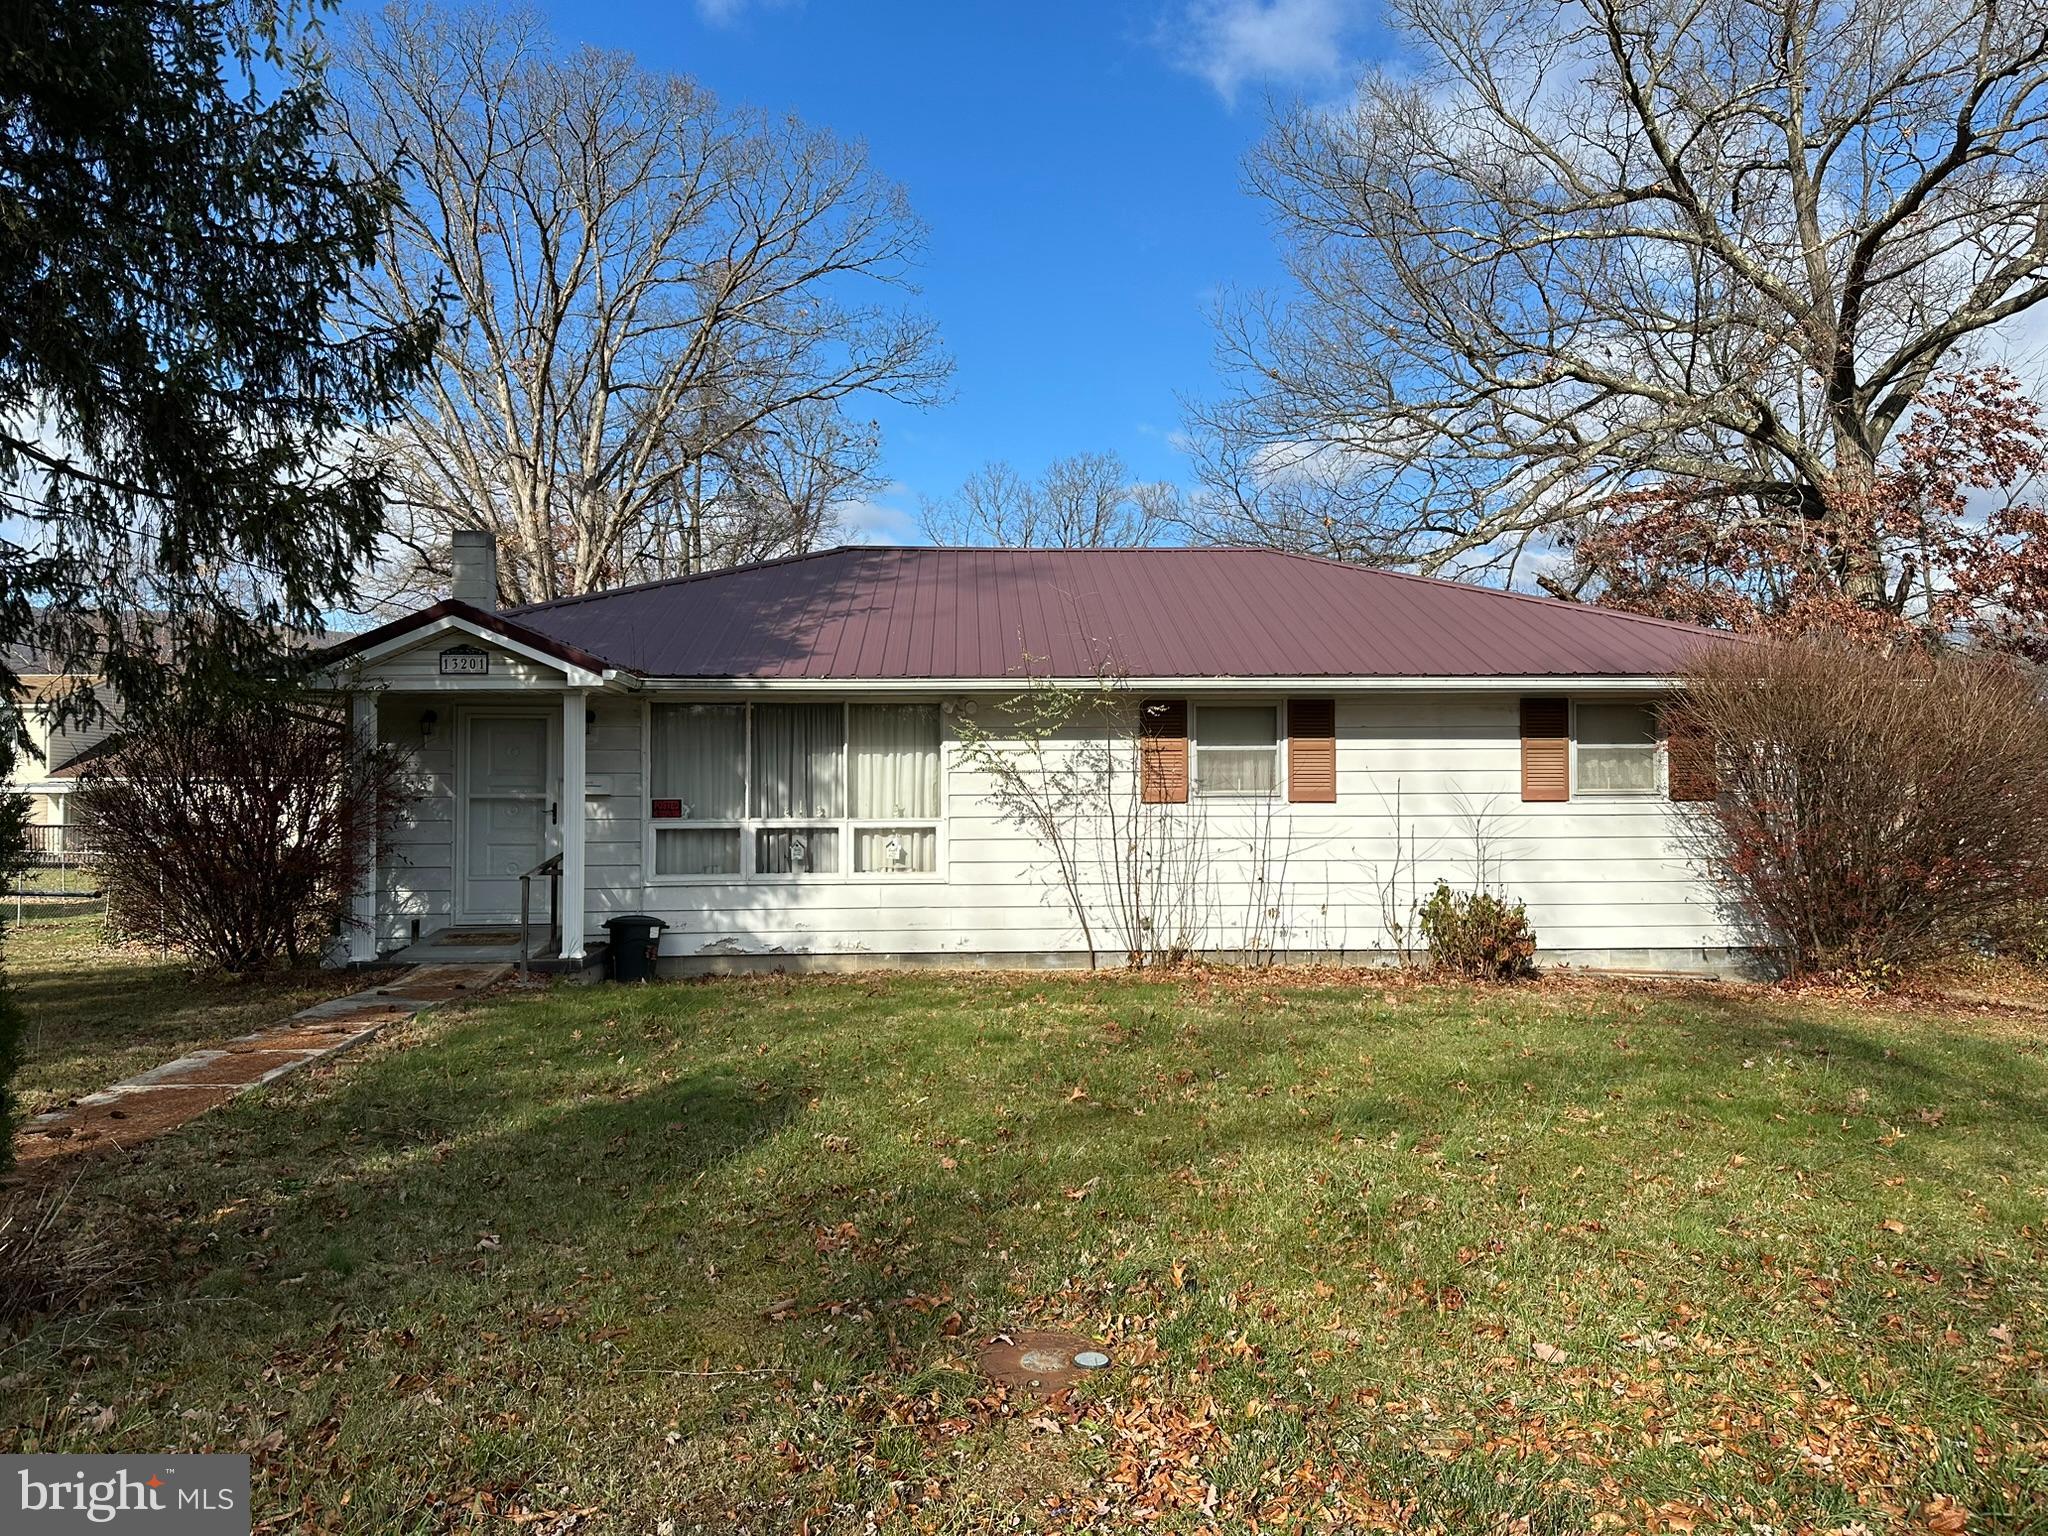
415 877
614 823
1595 875
419 669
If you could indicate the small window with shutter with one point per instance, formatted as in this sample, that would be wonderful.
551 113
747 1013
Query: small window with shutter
1237 750
1616 749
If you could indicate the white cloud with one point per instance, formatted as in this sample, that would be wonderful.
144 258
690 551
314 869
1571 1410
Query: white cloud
886 518
1232 43
2020 344
723 13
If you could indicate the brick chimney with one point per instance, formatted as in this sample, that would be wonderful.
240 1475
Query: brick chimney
473 559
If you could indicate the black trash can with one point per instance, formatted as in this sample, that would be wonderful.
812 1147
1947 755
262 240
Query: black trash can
634 941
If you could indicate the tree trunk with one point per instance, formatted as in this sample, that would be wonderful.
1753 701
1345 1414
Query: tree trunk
1848 501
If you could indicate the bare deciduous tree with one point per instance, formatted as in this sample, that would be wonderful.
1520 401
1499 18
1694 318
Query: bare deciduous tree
1062 765
1595 247
646 293
774 491
1082 501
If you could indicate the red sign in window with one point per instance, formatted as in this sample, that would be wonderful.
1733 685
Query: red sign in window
672 809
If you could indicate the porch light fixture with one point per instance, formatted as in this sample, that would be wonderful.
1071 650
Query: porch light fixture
428 720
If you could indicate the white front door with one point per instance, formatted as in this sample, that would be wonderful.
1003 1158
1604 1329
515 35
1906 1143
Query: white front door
507 801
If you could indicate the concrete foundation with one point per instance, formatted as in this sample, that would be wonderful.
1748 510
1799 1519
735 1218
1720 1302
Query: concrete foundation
1708 964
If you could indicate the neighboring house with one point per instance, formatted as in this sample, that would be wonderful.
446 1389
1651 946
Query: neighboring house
769 758
58 755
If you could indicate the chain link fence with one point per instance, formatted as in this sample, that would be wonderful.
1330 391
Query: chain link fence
59 879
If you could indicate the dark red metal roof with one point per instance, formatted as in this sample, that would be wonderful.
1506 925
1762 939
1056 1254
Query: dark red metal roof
887 614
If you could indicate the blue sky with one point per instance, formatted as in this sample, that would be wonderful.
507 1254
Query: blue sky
1079 166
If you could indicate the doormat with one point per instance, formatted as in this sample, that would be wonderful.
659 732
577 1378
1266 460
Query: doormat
466 938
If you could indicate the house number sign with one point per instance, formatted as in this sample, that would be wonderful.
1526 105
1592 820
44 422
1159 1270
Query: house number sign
465 661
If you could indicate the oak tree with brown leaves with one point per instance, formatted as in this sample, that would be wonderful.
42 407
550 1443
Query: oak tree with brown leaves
1951 518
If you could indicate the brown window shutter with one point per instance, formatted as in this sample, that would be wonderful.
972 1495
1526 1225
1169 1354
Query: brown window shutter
1546 749
1312 751
1163 751
1689 757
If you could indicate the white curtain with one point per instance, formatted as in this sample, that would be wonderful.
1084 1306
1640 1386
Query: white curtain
896 850
1617 749
700 759
895 761
697 850
1235 749
797 750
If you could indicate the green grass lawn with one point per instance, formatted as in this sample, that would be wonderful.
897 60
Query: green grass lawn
94 1013
1369 1254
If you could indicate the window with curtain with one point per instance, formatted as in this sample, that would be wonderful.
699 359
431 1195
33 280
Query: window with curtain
698 773
794 790
893 762
700 759
796 851
798 751
1237 749
696 851
1617 749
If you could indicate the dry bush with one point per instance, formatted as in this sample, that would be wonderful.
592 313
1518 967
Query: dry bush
1874 810
238 830
53 1259
1478 934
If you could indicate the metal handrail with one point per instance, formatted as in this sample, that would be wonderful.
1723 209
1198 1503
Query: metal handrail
552 868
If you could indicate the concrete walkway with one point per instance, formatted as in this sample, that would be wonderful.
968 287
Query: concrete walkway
166 1097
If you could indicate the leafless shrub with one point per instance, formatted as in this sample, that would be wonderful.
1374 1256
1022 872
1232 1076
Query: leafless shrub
1154 859
1063 767
1873 809
1268 849
1397 885
239 830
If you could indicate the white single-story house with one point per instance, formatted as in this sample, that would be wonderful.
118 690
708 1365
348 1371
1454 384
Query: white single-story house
788 763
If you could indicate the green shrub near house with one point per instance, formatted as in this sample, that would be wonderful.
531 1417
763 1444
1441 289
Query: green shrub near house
1481 935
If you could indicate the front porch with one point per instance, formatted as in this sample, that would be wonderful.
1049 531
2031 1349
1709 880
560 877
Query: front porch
494 838
495 945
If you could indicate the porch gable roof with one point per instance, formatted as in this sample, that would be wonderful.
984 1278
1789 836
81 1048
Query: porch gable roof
580 667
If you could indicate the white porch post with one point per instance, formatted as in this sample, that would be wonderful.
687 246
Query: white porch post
362 933
575 704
